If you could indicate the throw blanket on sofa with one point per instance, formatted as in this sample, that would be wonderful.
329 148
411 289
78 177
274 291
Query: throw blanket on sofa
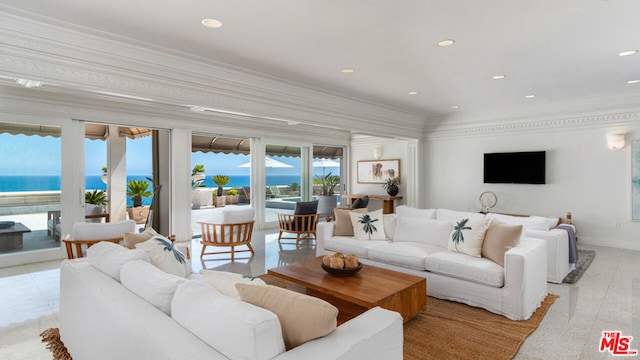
573 247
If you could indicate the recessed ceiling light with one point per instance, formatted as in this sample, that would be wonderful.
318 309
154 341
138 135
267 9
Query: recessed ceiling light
212 23
347 70
498 77
530 96
446 42
412 93
633 82
455 106
628 52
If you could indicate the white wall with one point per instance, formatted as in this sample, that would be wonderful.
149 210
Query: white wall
583 177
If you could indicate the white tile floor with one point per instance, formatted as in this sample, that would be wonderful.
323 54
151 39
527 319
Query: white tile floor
606 298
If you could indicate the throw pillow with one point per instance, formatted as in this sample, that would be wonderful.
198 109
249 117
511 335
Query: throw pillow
109 257
498 239
467 236
225 282
407 211
343 226
302 317
426 231
368 226
165 256
150 283
131 239
360 203
306 207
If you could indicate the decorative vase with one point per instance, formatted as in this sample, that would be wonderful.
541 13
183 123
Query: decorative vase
392 190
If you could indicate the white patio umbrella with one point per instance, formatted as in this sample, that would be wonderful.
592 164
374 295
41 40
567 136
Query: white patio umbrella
325 163
269 163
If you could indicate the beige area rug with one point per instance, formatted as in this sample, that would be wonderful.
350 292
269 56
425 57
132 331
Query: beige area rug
445 330
450 330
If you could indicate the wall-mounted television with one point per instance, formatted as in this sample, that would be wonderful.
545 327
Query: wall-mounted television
515 168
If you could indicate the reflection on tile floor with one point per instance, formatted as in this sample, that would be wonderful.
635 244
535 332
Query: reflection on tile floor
606 298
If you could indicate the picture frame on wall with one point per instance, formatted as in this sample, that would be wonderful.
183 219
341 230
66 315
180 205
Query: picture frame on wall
635 180
377 171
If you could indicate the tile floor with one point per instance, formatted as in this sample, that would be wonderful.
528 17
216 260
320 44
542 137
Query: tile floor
606 298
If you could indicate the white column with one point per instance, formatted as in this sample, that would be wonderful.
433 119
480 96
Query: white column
181 184
117 174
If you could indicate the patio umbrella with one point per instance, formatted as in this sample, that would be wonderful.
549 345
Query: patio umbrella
269 163
325 163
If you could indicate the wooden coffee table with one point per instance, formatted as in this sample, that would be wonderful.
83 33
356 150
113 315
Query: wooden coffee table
353 295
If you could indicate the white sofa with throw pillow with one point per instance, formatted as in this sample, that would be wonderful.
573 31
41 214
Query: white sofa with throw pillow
490 264
145 303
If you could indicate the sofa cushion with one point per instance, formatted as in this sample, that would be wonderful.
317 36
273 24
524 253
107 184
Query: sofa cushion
375 225
467 236
165 256
349 245
407 211
109 257
237 214
406 254
453 216
225 282
343 226
133 238
302 317
422 230
306 207
498 239
461 266
150 283
529 222
235 328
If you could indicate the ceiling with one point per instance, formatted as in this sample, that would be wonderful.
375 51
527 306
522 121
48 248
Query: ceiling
563 52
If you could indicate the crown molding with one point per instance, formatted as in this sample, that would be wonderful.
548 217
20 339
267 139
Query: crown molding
538 125
73 59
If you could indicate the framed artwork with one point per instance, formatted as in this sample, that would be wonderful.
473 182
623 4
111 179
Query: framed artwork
377 171
635 180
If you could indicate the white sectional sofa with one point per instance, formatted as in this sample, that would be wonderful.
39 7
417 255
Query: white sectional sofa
162 316
417 243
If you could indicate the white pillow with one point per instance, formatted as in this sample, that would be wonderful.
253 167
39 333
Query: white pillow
453 216
529 222
467 236
109 257
426 231
407 211
236 329
225 282
165 256
237 214
376 224
552 221
150 283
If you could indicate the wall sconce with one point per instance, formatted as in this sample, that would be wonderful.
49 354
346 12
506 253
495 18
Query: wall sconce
615 141
377 152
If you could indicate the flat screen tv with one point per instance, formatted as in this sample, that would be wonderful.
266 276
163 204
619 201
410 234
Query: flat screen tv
514 168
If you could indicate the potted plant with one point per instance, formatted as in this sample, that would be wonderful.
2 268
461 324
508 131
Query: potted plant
220 180
326 200
95 201
137 189
391 185
295 189
232 196
200 195
197 176
104 174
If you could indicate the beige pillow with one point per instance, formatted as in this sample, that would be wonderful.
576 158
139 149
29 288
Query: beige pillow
467 236
499 238
376 225
302 317
131 239
343 225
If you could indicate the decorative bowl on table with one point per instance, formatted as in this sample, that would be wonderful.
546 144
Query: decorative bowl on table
342 272
6 224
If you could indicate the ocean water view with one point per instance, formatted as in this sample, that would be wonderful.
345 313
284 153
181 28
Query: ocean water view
47 183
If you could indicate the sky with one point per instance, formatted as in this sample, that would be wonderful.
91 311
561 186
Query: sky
37 155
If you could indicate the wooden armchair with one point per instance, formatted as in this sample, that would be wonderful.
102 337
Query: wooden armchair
234 229
87 234
299 225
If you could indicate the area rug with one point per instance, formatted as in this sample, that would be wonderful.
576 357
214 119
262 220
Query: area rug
51 337
585 257
450 330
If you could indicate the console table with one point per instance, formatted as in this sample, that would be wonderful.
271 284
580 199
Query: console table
387 201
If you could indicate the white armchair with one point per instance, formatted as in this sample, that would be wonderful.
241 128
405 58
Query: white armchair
86 234
233 228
